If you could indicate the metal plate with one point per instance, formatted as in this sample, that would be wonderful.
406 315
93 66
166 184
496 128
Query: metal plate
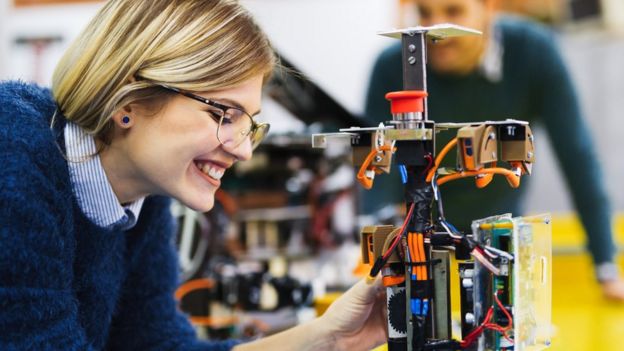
438 31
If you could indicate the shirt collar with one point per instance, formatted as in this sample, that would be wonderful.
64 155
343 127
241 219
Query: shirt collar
93 190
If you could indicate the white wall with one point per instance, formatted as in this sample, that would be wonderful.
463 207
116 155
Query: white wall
333 41
18 61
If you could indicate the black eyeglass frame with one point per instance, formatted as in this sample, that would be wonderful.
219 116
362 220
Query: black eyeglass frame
255 127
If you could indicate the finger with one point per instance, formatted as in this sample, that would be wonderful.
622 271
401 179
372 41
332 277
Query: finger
367 290
384 317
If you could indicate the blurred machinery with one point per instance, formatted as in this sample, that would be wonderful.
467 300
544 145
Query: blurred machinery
504 264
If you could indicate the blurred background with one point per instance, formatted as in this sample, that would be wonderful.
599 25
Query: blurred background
283 236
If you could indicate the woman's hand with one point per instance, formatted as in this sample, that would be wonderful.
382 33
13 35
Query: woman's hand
357 320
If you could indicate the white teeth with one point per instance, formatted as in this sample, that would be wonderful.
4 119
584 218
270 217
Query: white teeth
216 174
212 172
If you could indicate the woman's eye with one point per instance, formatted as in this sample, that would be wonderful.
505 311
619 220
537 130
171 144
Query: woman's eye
214 114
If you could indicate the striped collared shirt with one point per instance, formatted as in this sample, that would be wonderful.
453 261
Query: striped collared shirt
91 186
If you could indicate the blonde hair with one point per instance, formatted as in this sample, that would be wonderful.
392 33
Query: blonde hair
195 45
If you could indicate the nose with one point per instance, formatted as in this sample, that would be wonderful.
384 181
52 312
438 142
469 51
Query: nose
242 152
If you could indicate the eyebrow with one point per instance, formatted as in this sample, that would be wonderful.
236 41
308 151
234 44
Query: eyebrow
233 103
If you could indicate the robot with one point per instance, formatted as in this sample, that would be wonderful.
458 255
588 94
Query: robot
503 265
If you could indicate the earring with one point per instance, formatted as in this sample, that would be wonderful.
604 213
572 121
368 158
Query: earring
125 119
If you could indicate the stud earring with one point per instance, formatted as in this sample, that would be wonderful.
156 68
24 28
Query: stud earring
125 119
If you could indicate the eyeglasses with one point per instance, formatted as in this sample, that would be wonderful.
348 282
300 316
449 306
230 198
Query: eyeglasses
235 125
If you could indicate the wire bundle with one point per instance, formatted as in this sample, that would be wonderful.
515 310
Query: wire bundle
416 253
381 260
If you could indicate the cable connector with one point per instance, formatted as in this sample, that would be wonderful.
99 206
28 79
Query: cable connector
379 262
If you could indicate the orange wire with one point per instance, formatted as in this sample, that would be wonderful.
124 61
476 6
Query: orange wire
206 321
192 285
413 252
423 257
366 182
213 321
440 157
420 256
512 178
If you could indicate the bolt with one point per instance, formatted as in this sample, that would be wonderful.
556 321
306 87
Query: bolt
529 154
467 283
470 318
411 47
411 60
378 158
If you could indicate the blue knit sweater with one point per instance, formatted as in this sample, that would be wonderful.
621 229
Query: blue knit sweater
65 283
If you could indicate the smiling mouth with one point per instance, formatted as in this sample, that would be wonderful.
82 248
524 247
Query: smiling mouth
211 170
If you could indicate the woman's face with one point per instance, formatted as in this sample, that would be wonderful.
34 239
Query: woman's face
176 152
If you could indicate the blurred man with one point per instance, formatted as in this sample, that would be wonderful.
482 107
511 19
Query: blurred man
513 70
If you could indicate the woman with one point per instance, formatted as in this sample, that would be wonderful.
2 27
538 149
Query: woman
155 99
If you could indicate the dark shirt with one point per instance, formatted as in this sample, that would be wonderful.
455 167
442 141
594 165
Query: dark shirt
535 86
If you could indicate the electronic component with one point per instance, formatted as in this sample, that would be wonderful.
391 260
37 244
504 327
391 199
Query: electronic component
501 272
478 146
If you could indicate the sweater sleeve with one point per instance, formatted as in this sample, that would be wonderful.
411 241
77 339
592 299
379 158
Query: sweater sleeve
559 110
38 310
147 317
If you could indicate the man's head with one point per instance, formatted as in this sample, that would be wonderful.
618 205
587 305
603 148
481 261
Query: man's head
459 55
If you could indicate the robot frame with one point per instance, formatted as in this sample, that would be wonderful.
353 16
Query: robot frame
504 265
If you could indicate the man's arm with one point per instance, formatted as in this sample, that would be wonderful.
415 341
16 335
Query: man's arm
559 109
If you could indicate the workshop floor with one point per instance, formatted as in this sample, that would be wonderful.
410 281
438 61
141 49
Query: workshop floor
582 318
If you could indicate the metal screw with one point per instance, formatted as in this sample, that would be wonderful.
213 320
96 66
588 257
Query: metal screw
529 154
411 60
411 47
378 158
470 318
